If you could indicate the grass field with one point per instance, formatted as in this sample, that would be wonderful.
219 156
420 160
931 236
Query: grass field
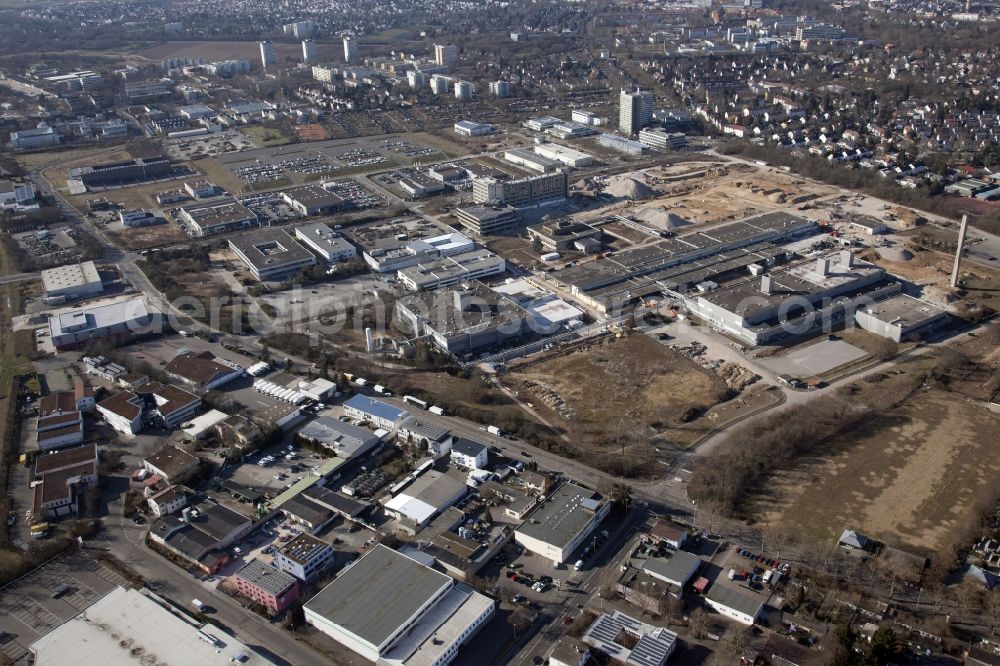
265 137
632 383
913 479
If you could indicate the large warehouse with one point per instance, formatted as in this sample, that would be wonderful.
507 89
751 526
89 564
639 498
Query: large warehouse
72 281
391 609
271 254
563 522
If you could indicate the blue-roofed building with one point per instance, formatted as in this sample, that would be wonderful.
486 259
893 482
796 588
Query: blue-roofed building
382 414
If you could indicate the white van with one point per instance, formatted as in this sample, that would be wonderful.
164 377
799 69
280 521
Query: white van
578 565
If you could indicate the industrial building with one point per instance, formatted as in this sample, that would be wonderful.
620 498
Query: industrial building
76 328
110 630
304 557
522 192
30 139
469 128
635 110
71 281
677 570
324 241
743 606
312 200
60 479
451 270
793 300
381 414
391 609
901 318
201 188
621 144
272 588
563 523
661 139
271 254
430 494
344 439
17 196
563 235
567 129
489 220
462 320
397 256
117 173
202 372
201 534
570 157
681 263
529 159
216 217
420 185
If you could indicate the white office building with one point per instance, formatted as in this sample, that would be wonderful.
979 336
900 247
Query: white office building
635 110
324 241
445 55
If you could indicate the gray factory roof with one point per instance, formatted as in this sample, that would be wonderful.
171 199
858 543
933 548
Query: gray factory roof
265 577
454 267
485 308
322 237
798 279
313 196
731 597
345 438
378 594
678 569
563 515
267 247
903 310
70 275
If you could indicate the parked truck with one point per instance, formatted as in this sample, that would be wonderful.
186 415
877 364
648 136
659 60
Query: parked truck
434 409
198 604
493 430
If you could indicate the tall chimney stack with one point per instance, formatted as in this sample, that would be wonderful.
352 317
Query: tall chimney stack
765 285
958 253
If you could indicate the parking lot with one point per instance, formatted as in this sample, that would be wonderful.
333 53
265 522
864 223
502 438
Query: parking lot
306 162
37 603
276 468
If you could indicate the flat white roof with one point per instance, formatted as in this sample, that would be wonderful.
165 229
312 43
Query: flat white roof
122 621
416 509
206 421
71 275
97 316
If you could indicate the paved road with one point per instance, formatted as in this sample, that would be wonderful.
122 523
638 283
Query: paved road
19 277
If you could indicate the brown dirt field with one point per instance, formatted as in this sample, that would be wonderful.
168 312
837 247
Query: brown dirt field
914 479
633 381
141 238
311 132
933 268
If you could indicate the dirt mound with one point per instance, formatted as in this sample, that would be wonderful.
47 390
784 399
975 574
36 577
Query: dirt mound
736 376
625 187
894 254
659 217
